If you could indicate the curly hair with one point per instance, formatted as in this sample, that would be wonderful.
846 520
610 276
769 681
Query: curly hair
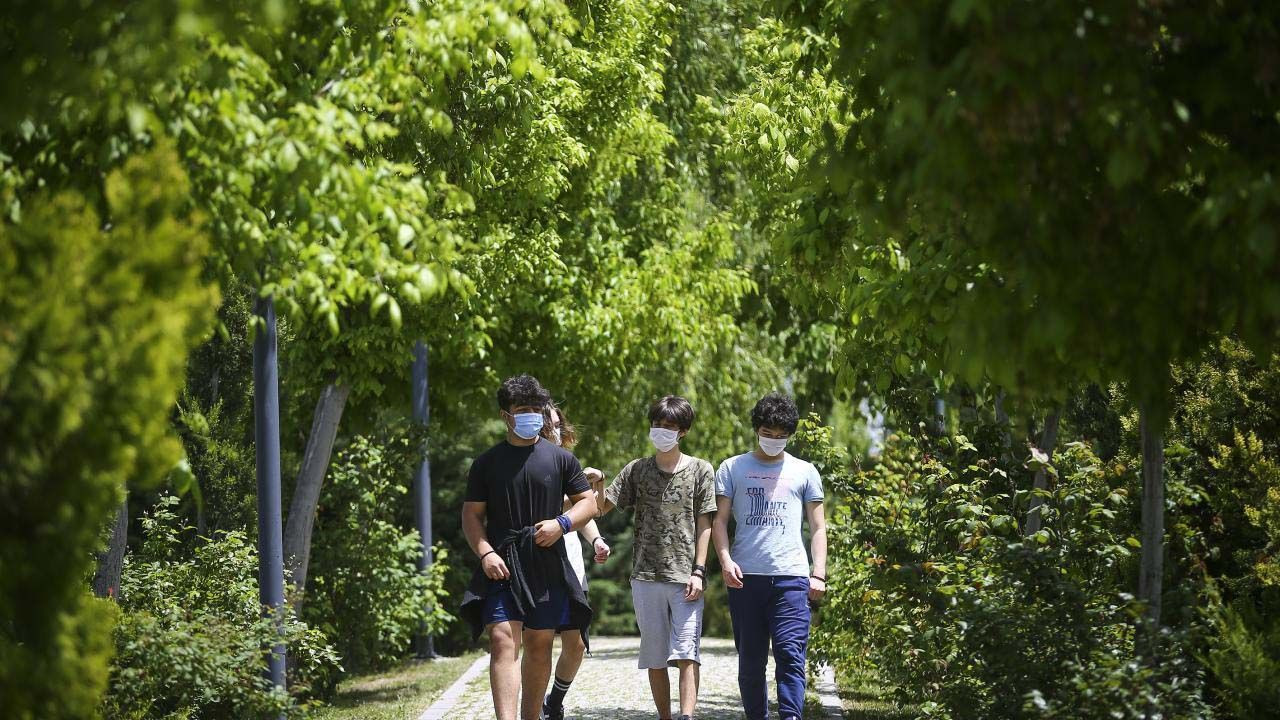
522 390
568 433
673 409
775 410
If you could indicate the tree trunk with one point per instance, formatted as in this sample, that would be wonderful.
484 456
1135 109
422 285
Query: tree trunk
106 580
1151 576
1006 439
1048 441
306 492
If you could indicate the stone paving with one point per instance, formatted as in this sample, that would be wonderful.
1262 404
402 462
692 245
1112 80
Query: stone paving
610 687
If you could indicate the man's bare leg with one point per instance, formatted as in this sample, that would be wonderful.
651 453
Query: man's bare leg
535 671
504 677
690 674
572 650
660 686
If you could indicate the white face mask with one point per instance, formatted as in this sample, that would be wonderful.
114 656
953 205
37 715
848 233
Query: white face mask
773 446
663 439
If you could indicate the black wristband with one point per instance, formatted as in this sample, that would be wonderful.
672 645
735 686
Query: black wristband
482 557
818 577
598 539
703 568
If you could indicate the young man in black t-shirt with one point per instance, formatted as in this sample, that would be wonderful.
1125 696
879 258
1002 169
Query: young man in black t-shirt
525 587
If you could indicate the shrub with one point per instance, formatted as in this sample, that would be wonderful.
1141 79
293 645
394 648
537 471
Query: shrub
935 585
192 632
365 588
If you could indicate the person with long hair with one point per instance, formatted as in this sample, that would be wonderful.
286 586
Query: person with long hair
573 647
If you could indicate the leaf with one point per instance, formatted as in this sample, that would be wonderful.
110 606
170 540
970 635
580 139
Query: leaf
393 311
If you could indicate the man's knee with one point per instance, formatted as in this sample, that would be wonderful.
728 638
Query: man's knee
571 642
539 642
504 638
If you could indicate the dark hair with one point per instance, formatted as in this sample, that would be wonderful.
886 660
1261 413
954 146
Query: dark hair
522 390
568 433
775 410
672 408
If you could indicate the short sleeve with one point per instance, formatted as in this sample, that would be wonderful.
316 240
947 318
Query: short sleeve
705 491
575 481
813 486
477 483
621 492
724 480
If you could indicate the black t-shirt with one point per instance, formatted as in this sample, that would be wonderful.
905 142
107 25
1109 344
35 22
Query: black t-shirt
522 486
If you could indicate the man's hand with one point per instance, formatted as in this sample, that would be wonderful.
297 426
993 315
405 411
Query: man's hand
602 550
817 588
596 478
693 588
494 567
731 573
548 533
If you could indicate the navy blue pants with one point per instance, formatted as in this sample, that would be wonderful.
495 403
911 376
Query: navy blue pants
765 608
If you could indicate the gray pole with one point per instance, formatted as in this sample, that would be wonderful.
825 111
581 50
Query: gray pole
422 482
266 422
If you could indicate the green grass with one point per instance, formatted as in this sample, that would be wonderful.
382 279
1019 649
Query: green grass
864 698
398 694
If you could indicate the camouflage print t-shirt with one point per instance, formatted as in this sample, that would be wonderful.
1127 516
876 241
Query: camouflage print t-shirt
666 507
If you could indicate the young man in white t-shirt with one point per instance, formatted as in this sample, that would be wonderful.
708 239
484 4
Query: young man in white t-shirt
769 492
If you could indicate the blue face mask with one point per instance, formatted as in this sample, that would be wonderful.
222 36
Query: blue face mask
527 425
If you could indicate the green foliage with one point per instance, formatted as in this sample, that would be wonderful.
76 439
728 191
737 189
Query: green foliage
1227 440
103 55
951 603
97 316
1113 685
366 591
1076 201
1244 657
190 639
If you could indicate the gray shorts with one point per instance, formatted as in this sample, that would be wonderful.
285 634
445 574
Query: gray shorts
670 626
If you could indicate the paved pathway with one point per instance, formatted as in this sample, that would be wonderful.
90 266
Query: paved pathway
610 687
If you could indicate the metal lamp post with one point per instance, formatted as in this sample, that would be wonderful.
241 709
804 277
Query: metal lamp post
266 416
422 484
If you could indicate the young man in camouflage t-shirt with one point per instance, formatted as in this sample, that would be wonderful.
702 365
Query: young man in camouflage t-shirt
673 497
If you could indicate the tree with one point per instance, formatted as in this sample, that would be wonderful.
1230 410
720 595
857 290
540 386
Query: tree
97 316
1116 202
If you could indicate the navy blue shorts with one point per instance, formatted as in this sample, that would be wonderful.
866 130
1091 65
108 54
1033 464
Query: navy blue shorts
551 614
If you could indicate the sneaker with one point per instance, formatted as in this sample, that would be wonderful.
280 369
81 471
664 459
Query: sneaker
552 713
685 717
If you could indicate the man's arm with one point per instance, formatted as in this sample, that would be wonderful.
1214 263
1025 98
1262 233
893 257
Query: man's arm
591 532
817 548
584 508
603 504
720 533
697 583
473 527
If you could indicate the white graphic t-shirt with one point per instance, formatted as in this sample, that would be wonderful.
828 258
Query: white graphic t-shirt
768 507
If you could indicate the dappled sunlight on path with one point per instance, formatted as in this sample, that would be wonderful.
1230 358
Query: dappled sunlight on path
610 687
